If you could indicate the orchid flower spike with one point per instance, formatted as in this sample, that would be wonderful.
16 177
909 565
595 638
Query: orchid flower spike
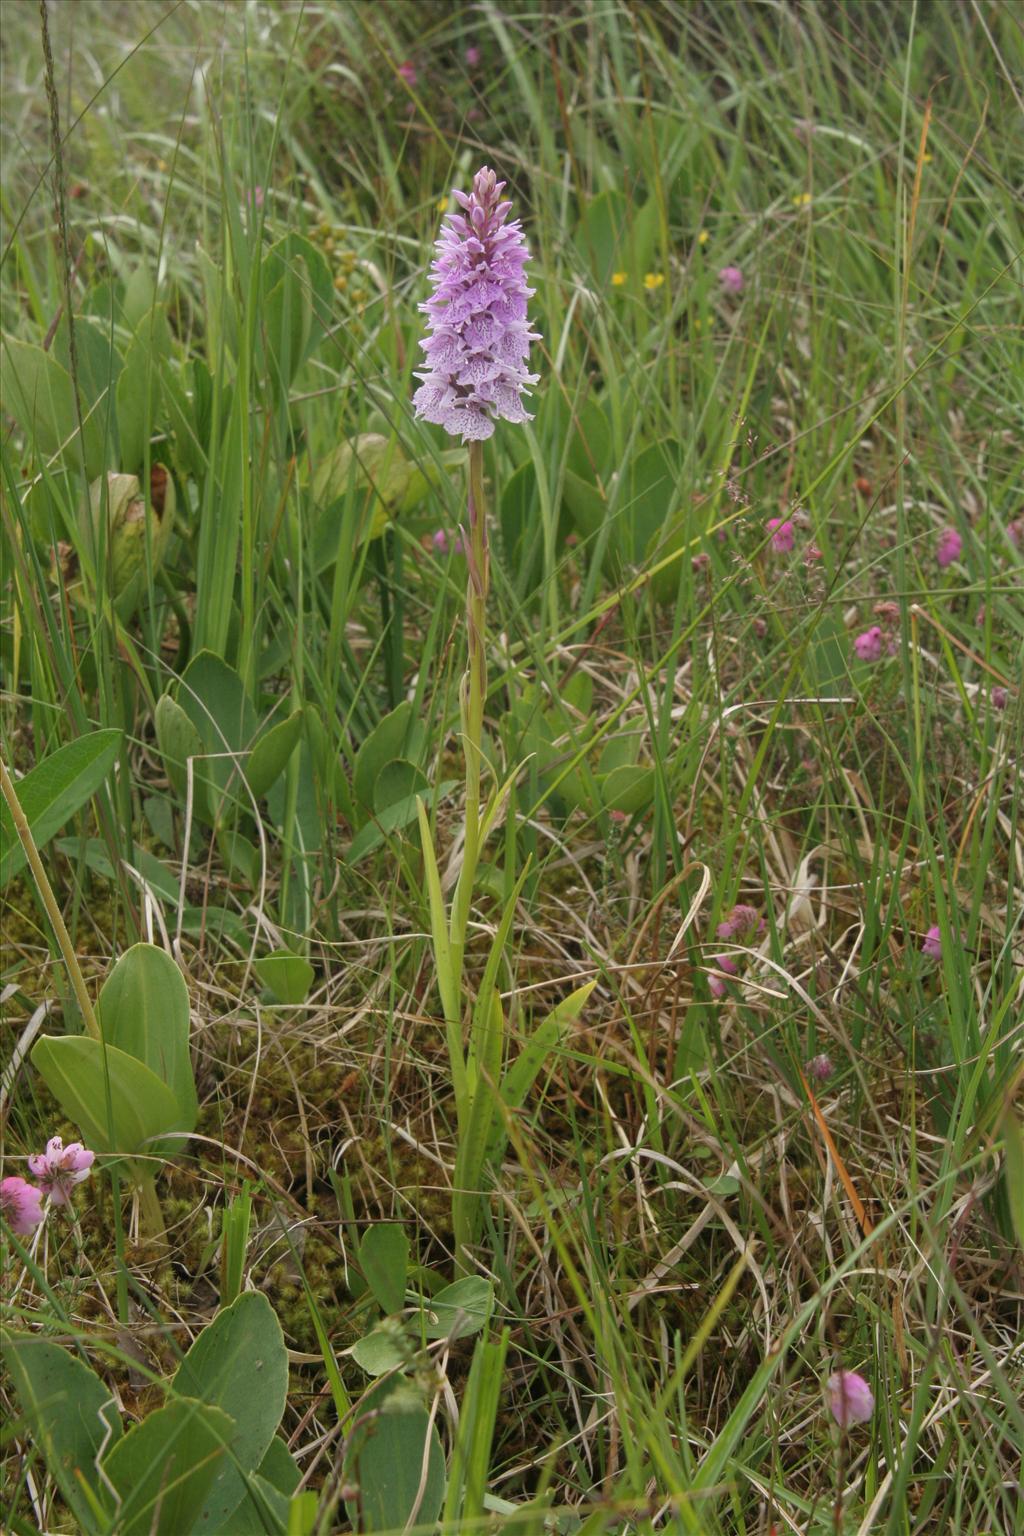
479 337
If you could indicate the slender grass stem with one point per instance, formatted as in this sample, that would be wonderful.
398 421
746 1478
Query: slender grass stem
50 902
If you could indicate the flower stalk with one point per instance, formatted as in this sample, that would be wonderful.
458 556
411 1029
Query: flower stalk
475 373
474 695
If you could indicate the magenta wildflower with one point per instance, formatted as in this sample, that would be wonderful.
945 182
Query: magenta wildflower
742 924
783 532
21 1205
850 1398
731 279
717 984
442 542
870 644
472 56
407 72
60 1168
999 697
931 944
479 343
820 1068
949 548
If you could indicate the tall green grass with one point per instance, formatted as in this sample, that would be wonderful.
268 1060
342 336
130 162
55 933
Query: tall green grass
676 1254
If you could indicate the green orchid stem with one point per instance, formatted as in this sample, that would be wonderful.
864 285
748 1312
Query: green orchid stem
474 693
53 911
152 1217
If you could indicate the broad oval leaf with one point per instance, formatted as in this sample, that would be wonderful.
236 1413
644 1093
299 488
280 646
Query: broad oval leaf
461 1309
238 1364
77 1071
269 757
38 393
288 976
139 388
386 1454
179 741
393 819
385 741
213 696
71 1414
398 780
143 1010
381 1350
384 1261
628 788
52 791
163 1467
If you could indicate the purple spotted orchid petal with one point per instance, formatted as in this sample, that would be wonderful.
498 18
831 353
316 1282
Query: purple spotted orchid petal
478 340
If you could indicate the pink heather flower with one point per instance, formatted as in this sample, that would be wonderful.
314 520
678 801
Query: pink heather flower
731 279
999 697
869 645
717 984
812 554
407 72
743 924
60 1168
479 342
820 1068
783 532
21 1205
949 548
850 1398
1015 532
931 944
472 57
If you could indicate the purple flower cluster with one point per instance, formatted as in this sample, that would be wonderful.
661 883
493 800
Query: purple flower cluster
950 547
744 925
479 342
850 1398
58 1170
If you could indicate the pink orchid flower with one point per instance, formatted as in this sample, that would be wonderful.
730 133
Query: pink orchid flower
60 1168
21 1205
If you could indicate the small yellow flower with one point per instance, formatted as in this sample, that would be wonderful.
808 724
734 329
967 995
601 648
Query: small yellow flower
618 278
442 205
926 159
801 199
703 237
653 280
